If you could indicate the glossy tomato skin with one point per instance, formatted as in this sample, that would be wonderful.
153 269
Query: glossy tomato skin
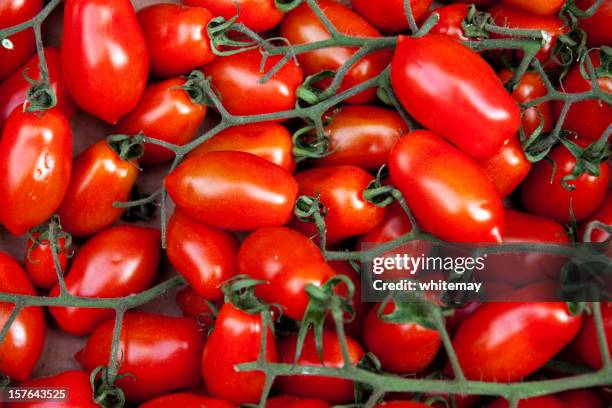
422 159
340 189
332 390
508 167
38 262
13 12
167 113
507 341
104 56
25 339
233 190
488 115
195 306
236 339
236 79
586 344
451 17
542 7
281 401
403 348
401 404
14 89
176 38
79 393
546 197
597 26
268 140
258 15
394 224
99 178
204 255
362 135
547 401
603 214
36 163
117 262
580 399
302 26
310 403
590 118
186 400
389 15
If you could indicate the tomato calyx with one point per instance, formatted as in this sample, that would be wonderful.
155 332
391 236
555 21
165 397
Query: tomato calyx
572 14
311 209
128 148
588 160
418 312
310 93
195 86
40 96
310 145
218 30
369 362
378 194
105 392
475 22
604 70
240 292
538 144
569 47
50 233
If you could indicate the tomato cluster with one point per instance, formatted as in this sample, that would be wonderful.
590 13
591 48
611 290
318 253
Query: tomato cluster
275 155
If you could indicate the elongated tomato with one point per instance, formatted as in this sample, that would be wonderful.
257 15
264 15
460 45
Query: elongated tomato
13 12
186 400
508 167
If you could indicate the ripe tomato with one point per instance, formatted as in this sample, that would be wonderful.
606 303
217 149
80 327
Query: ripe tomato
464 79
545 195
507 341
14 89
281 401
586 344
165 112
117 262
99 178
394 224
268 140
302 26
401 404
590 118
463 205
38 261
14 12
78 395
332 390
597 26
104 56
451 17
161 352
186 400
35 163
402 348
25 339
508 167
258 15
547 401
389 15
233 190
236 339
204 255
603 214
362 135
236 78
580 399
195 306
542 7
176 38
309 403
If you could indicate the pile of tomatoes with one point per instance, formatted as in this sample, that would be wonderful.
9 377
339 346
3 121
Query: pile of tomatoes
485 158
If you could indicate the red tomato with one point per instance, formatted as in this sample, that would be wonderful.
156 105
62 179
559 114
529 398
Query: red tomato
104 56
394 224
38 262
401 404
161 352
268 140
586 344
508 167
545 195
79 393
389 15
13 12
36 162
451 17
590 118
233 190
310 403
99 178
236 339
236 78
541 7
258 15
402 348
117 262
547 401
507 341
448 192
597 26
580 399
281 401
362 136
165 112
340 189
523 227
508 16
302 26
176 38
14 89
332 390
25 339
204 255
185 400
603 214
195 306
462 79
